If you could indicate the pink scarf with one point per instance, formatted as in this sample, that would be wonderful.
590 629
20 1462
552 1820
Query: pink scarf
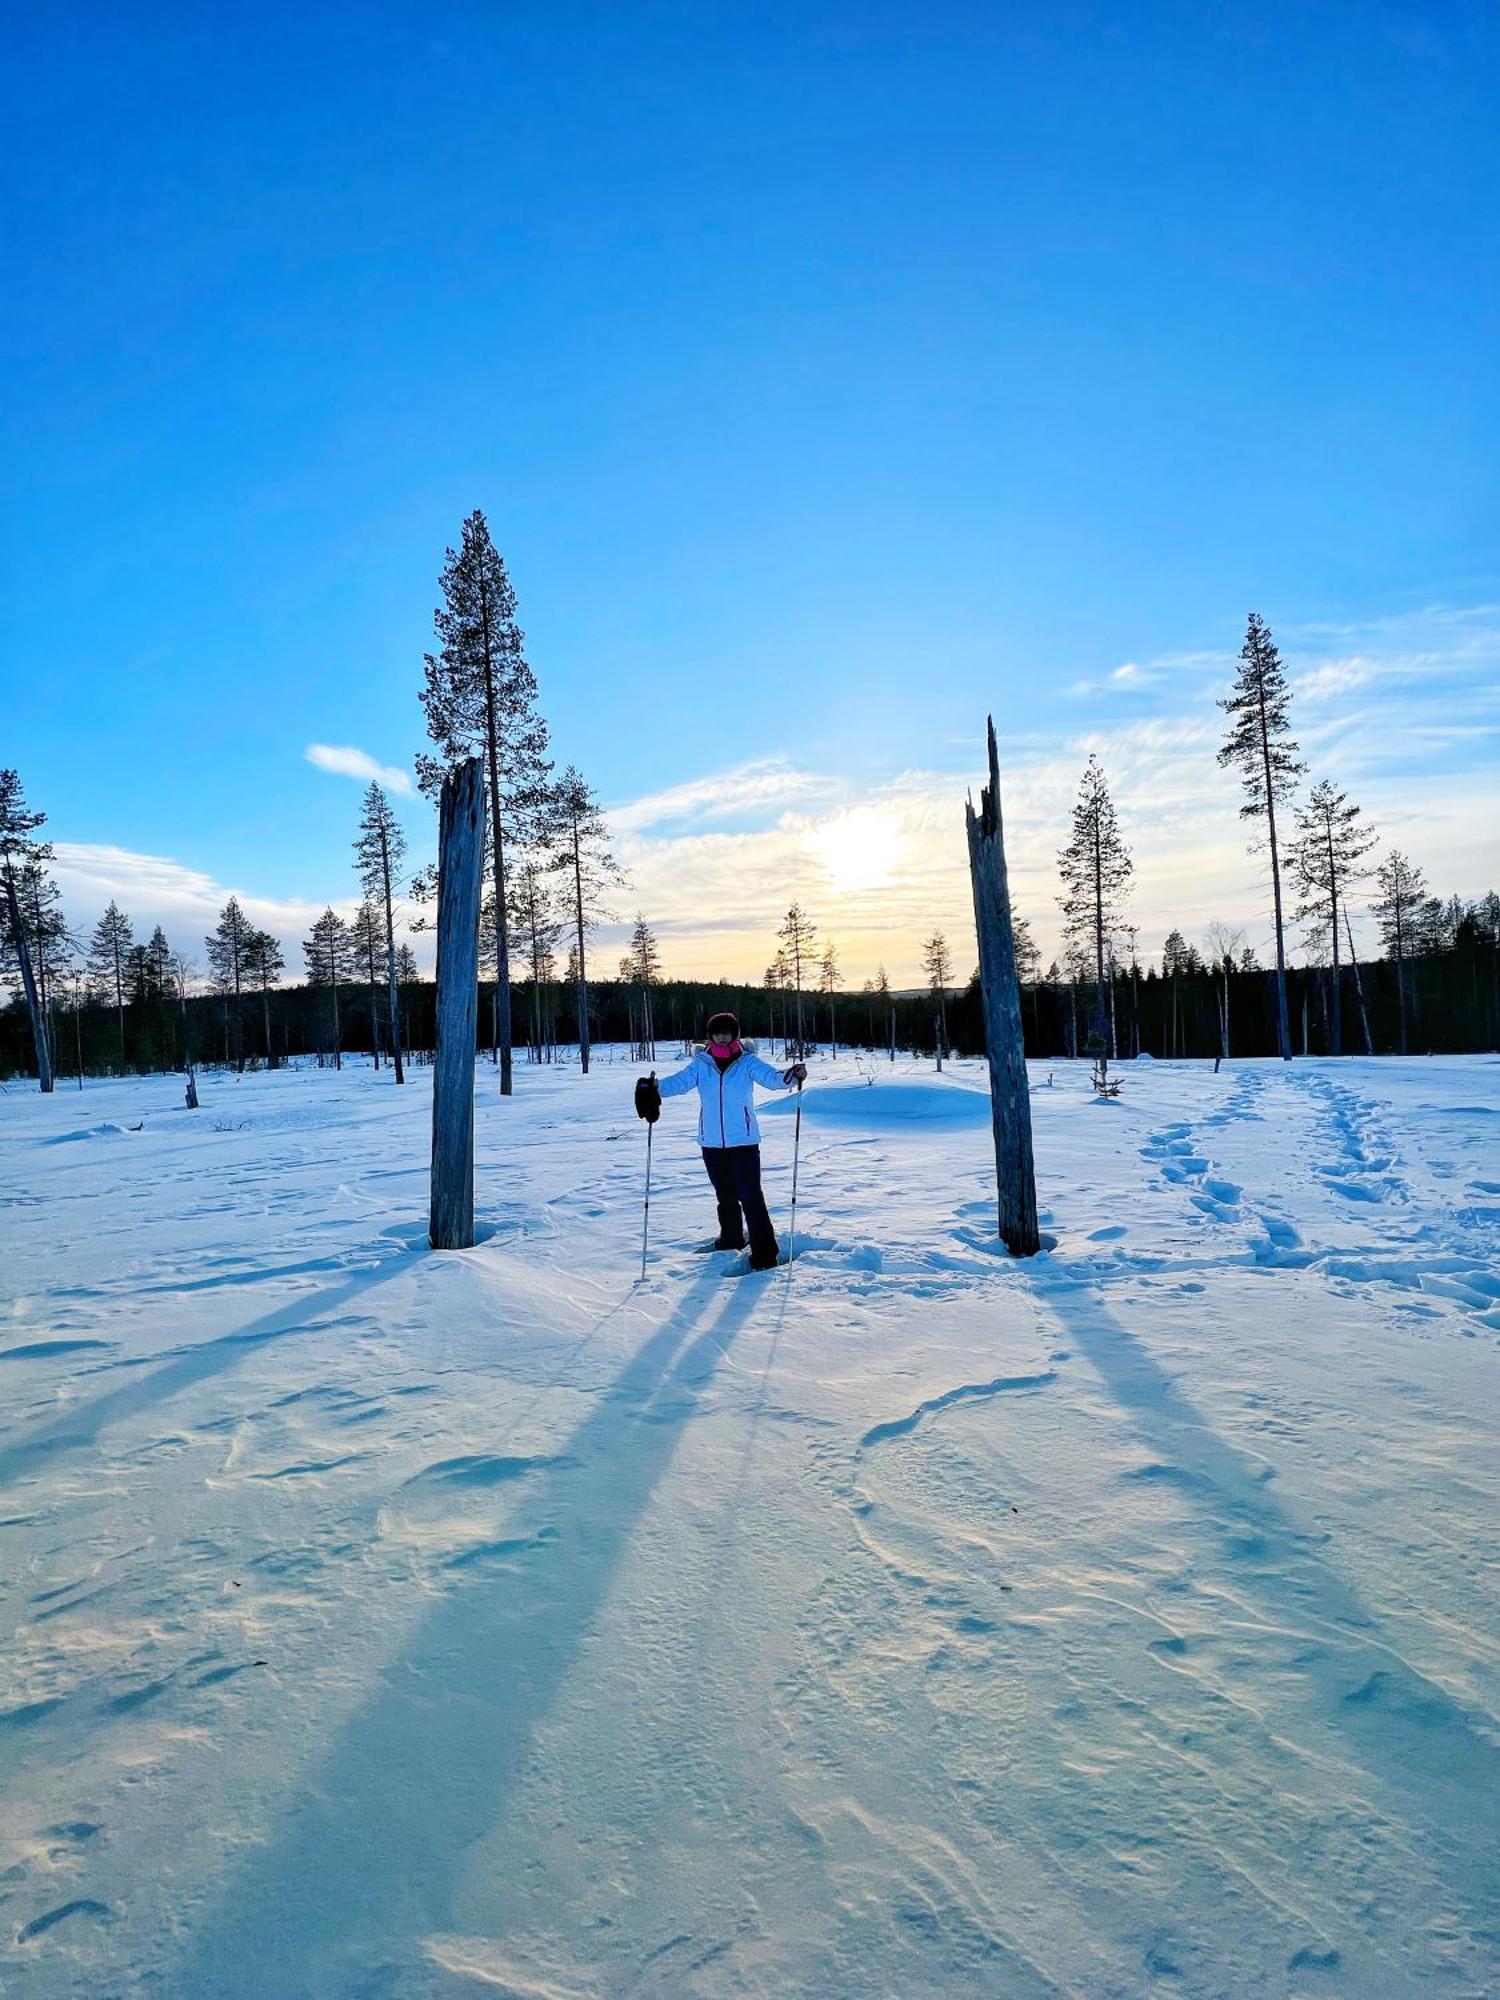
726 1051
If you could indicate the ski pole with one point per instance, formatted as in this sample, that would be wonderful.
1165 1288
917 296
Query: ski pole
791 1241
646 1213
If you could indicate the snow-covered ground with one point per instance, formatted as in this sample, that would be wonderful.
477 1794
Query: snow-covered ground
919 1623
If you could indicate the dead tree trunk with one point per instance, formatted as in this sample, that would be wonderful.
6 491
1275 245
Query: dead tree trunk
460 864
1000 989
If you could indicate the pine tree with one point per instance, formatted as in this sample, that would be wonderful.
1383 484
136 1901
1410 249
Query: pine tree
378 852
1329 854
480 697
883 988
937 962
47 935
1095 867
797 934
367 945
225 946
330 962
1403 893
1260 746
17 847
1028 954
641 967
579 842
108 949
536 929
828 981
263 966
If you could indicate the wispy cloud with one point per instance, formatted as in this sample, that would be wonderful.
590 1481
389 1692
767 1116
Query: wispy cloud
345 761
743 791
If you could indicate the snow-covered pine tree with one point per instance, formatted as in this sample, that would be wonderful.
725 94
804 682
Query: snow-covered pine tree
578 840
828 986
937 963
1403 893
1096 868
18 824
1329 854
1261 748
108 949
264 965
379 850
480 698
797 934
226 945
329 952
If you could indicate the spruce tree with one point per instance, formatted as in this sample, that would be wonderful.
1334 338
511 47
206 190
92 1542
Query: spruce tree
536 928
480 698
330 962
1260 747
579 843
1095 867
108 949
797 934
883 988
1328 855
378 853
226 946
47 936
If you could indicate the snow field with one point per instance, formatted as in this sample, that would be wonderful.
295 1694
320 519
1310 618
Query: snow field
922 1623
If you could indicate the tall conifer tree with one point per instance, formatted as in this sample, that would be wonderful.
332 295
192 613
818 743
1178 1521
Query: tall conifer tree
480 697
378 852
579 842
18 824
1261 748
1329 854
108 950
1096 868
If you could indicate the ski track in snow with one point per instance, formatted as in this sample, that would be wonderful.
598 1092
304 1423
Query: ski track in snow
915 1621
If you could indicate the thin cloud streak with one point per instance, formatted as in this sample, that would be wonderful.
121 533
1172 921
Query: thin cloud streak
345 761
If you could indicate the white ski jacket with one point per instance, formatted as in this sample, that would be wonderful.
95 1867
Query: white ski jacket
726 1106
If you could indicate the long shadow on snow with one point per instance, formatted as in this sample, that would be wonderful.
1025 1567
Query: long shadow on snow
81 1426
1407 1731
368 1863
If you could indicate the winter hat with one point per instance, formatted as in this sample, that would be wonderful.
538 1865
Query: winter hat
723 1029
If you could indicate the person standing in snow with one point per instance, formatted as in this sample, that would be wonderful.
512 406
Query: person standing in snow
725 1074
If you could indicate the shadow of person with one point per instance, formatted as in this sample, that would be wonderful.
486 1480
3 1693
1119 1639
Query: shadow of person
366 1864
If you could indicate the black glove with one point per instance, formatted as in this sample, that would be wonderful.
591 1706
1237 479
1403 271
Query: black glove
796 1074
648 1098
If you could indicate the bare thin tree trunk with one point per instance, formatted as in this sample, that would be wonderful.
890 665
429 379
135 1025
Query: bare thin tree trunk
460 866
1359 984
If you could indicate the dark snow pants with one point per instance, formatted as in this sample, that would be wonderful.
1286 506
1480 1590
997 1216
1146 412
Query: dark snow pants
735 1173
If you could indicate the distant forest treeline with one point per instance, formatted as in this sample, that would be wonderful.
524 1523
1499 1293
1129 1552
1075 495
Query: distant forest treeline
1452 1005
113 1002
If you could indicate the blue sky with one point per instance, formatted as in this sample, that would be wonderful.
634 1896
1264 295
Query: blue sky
829 375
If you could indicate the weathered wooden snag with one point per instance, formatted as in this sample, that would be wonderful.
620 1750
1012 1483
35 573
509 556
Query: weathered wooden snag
1000 988
460 864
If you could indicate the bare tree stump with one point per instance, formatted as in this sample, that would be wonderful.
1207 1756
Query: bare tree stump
1000 988
460 865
